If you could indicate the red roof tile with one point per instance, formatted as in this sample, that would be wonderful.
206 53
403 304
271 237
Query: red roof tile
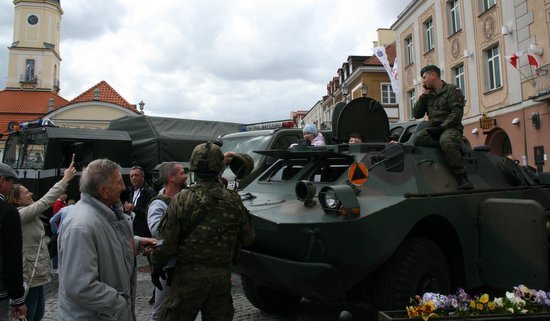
106 94
26 105
390 52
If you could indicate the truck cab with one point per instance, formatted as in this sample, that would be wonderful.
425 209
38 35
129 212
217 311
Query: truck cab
246 142
40 155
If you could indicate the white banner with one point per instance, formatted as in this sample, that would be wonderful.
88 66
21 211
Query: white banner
380 53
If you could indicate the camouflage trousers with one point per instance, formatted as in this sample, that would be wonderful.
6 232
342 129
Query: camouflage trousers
199 288
450 142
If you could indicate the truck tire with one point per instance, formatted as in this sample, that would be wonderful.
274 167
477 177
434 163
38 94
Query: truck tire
418 266
267 299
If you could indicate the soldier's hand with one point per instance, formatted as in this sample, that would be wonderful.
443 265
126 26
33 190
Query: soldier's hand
156 275
435 132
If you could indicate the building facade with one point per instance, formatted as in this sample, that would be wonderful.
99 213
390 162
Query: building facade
496 51
357 77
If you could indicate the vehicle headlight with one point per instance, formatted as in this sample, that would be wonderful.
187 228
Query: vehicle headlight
340 200
328 199
305 192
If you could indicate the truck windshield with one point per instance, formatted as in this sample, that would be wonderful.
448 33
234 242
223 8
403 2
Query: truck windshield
246 145
26 150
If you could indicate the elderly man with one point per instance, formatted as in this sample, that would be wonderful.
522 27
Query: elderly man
97 267
12 298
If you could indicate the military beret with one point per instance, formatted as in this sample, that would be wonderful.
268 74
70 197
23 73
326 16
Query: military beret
430 68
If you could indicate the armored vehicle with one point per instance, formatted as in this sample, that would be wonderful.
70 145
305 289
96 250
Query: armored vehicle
40 155
378 222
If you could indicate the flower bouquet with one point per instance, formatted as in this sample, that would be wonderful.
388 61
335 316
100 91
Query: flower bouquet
522 301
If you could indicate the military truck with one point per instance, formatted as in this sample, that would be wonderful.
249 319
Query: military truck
40 155
40 151
376 223
245 143
161 139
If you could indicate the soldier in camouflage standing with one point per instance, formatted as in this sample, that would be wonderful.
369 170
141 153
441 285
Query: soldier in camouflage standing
204 227
444 105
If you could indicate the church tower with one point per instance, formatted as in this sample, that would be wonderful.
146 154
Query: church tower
34 58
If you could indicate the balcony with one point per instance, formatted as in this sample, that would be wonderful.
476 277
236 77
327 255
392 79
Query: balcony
28 79
56 85
542 83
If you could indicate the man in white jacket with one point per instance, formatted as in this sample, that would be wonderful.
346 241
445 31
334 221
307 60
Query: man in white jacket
174 179
97 248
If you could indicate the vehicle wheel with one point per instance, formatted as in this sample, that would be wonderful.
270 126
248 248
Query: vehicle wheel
268 299
418 266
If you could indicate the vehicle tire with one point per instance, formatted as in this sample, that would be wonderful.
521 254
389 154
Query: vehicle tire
267 299
418 266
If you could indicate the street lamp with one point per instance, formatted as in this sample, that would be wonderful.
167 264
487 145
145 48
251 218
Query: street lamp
364 89
345 92
141 105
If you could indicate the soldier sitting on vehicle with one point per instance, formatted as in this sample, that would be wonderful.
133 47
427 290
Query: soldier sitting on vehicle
444 105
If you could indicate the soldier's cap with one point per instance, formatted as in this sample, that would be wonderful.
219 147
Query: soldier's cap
7 172
430 68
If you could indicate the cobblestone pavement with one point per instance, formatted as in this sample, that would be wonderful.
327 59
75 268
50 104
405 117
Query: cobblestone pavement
244 311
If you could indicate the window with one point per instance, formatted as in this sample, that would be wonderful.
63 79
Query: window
493 76
487 4
458 75
412 100
454 16
429 43
350 69
388 96
29 70
410 50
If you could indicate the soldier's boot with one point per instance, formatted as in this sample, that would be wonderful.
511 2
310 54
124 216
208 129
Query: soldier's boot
463 182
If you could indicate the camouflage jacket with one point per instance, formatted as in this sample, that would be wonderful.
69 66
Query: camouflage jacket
444 108
224 226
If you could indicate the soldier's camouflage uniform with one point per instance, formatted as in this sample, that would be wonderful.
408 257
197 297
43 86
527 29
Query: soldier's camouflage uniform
202 281
444 108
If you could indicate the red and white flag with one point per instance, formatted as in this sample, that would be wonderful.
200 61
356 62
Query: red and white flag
533 60
513 59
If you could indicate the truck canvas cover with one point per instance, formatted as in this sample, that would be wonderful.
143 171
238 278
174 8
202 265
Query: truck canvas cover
161 139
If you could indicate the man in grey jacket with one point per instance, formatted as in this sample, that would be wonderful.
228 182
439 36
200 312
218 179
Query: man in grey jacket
97 248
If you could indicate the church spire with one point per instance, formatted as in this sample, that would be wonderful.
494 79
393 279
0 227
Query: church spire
34 56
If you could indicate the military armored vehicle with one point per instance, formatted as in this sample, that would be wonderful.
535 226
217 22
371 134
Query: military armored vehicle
376 223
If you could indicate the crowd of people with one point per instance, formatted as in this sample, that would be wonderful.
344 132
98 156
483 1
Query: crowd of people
99 237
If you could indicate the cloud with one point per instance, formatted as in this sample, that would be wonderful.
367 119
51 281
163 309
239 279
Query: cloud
239 60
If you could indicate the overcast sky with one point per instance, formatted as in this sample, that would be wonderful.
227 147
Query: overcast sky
239 61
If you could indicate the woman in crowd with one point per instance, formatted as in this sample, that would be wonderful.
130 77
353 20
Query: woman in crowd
36 259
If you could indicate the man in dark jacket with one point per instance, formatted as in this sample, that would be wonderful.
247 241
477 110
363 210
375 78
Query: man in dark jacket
12 292
140 196
444 105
